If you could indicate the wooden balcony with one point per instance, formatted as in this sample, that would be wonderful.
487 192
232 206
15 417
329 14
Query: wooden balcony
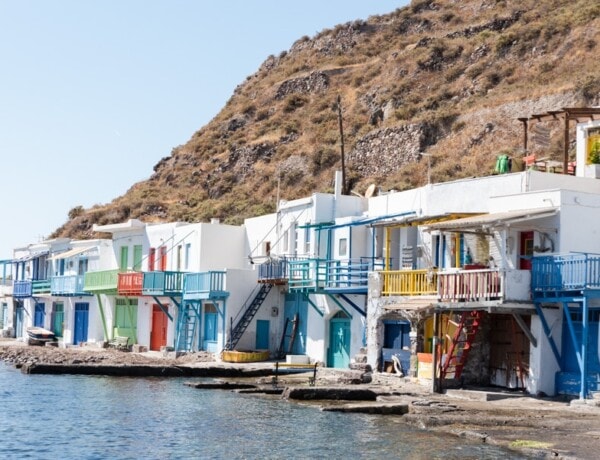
205 285
101 282
470 285
71 285
274 272
22 289
564 273
409 282
168 283
130 283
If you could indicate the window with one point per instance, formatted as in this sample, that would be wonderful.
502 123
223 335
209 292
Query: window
137 257
162 258
82 266
179 251
188 253
151 259
286 241
307 241
124 259
343 247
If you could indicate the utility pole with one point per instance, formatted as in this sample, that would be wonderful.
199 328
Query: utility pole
339 111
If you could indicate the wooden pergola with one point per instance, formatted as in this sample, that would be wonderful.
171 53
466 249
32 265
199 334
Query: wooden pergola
566 115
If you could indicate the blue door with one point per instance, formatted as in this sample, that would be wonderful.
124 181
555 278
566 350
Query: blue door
210 328
19 320
262 334
40 315
339 341
296 306
82 311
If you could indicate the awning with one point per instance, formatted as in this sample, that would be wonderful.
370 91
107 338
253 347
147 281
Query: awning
499 219
32 255
71 253
413 220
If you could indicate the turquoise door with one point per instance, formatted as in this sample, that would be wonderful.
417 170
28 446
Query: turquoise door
210 328
296 307
82 311
339 341
19 320
40 315
262 334
58 318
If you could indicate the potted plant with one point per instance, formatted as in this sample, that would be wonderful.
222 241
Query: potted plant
593 169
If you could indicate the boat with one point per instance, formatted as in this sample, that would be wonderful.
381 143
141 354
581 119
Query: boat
39 335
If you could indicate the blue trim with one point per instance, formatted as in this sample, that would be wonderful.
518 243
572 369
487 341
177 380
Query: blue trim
371 220
339 304
164 309
567 314
584 349
353 305
310 302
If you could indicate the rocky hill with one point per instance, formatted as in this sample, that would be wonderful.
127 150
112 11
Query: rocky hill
439 82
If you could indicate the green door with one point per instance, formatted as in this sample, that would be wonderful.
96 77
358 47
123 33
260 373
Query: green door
126 319
339 341
58 318
262 334
124 259
137 257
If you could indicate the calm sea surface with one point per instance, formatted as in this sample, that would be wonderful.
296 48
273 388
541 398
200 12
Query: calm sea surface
82 417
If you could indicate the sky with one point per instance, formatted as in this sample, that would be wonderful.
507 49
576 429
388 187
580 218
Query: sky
94 93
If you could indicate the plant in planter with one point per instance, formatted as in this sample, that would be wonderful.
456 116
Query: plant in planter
595 153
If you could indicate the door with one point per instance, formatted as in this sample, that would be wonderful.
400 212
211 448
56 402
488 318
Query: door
126 319
339 341
4 316
82 311
294 339
39 315
160 322
525 250
210 328
58 318
19 320
262 334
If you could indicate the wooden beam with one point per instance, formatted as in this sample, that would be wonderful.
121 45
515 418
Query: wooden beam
566 150
521 322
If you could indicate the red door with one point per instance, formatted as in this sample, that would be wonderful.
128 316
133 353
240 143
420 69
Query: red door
525 250
160 321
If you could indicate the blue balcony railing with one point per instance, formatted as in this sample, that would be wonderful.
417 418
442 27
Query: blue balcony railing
67 285
565 272
273 270
348 275
22 288
204 285
163 283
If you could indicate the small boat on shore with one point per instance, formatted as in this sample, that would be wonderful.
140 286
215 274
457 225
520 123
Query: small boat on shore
39 335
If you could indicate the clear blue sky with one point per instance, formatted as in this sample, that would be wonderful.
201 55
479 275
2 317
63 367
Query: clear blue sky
94 93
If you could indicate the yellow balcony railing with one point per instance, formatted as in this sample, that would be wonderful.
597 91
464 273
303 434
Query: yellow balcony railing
409 282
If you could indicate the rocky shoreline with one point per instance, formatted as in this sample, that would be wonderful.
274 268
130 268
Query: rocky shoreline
535 427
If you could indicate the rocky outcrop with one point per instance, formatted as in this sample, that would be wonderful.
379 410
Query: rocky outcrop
313 83
386 150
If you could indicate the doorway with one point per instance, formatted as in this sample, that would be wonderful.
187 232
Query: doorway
339 341
160 323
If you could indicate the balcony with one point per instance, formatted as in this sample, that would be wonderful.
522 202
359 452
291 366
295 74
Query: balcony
349 276
484 285
71 285
306 274
563 273
409 282
22 288
168 284
40 287
101 282
205 285
130 283
274 271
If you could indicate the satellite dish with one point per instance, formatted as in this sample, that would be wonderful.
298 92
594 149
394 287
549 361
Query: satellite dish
370 191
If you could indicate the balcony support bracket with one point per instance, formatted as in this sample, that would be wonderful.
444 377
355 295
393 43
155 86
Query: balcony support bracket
521 322
164 309
547 332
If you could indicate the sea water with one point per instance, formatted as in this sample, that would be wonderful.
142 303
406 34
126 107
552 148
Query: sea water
88 417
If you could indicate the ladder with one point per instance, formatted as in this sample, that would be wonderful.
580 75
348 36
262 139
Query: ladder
186 327
291 336
249 313
460 343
